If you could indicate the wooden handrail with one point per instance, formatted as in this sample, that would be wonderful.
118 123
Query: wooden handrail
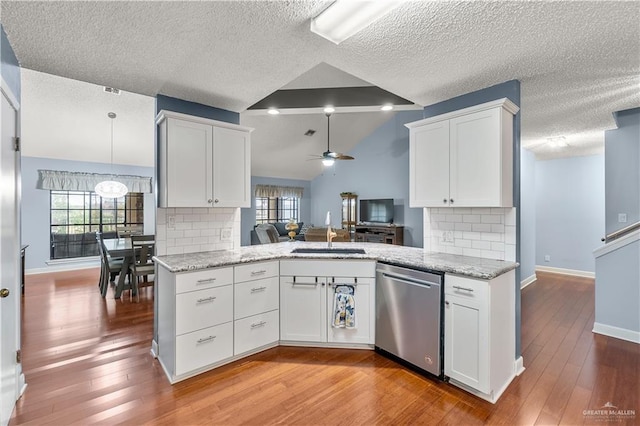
621 232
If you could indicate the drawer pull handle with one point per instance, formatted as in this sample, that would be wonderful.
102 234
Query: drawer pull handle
462 288
207 299
257 289
206 339
206 280
305 284
258 324
254 273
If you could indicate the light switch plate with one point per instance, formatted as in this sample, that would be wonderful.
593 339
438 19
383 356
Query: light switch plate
171 222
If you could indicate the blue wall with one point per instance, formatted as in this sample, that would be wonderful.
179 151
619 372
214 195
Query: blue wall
192 108
527 214
569 211
9 67
248 215
622 170
511 90
36 203
380 170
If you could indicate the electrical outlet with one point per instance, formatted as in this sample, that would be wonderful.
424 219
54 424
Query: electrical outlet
171 222
225 234
622 218
547 258
447 236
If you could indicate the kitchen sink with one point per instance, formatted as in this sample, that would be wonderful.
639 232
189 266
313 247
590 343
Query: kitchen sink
329 250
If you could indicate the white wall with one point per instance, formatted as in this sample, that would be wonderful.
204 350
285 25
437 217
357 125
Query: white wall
569 211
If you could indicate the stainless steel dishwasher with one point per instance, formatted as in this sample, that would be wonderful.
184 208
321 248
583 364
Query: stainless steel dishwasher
408 316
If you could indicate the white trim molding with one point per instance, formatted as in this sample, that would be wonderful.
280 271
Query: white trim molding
505 103
529 280
616 332
8 93
519 366
572 272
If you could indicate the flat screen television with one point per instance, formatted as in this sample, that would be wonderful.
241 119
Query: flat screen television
376 211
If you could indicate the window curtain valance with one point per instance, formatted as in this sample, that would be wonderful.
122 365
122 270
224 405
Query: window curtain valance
77 181
264 191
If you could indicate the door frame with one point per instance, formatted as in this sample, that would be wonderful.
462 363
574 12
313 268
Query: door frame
7 93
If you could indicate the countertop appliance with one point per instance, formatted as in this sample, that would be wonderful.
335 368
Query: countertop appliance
409 316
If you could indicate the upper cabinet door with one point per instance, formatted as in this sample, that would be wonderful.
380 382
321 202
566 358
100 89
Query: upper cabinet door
231 168
476 160
189 163
429 165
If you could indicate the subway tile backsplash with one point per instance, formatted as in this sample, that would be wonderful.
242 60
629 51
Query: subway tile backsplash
191 230
489 233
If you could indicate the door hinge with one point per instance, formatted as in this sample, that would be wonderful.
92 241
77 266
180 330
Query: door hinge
18 356
16 144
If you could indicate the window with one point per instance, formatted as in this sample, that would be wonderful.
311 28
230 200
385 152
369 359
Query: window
277 209
76 216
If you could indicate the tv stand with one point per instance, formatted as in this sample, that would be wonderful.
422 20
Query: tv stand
380 233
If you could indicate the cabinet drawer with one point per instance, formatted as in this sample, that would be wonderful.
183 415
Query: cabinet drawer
201 309
466 287
256 271
256 331
256 297
201 348
206 278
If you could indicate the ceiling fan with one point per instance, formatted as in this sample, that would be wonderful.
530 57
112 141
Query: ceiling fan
328 157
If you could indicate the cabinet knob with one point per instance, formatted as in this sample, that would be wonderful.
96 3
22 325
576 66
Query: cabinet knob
444 200
4 292
209 201
216 200
451 200
446 303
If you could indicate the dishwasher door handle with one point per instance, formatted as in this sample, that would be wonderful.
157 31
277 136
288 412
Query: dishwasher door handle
407 280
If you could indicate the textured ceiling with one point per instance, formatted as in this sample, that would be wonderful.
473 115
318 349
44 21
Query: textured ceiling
577 61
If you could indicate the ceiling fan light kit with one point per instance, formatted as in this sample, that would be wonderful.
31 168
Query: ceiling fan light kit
344 18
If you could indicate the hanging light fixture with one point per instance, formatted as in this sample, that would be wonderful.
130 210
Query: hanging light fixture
111 188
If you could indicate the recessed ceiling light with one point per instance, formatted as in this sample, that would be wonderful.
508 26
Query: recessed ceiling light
329 109
273 111
387 107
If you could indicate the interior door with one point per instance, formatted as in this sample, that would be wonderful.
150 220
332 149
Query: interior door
10 260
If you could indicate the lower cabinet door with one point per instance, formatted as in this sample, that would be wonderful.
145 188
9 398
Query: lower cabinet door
203 347
303 314
465 343
256 331
363 332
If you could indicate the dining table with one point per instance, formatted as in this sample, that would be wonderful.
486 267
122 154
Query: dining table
120 247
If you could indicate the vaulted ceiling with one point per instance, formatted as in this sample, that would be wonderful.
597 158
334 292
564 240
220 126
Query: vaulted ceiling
577 61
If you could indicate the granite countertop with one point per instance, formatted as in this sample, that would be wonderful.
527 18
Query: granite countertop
411 257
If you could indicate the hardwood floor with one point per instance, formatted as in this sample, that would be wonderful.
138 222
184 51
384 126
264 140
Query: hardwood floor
86 360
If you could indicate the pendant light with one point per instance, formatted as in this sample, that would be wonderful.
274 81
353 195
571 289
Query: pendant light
111 188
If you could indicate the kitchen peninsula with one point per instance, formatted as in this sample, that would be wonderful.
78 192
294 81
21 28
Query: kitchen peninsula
213 308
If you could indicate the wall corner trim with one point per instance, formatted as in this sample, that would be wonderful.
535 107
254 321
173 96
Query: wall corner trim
527 281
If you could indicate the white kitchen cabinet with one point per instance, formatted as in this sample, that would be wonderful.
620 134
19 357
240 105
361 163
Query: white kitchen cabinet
307 301
479 335
195 320
463 158
256 307
202 163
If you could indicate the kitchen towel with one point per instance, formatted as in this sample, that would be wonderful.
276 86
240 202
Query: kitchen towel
344 307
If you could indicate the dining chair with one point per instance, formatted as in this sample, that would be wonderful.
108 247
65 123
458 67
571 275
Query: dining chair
143 247
109 268
128 231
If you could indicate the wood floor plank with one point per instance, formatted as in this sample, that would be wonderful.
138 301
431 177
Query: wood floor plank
86 361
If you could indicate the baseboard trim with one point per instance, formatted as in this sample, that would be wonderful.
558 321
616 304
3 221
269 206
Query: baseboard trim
62 268
529 280
519 366
617 332
572 272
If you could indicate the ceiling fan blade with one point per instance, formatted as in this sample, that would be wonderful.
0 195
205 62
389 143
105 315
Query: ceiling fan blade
343 157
